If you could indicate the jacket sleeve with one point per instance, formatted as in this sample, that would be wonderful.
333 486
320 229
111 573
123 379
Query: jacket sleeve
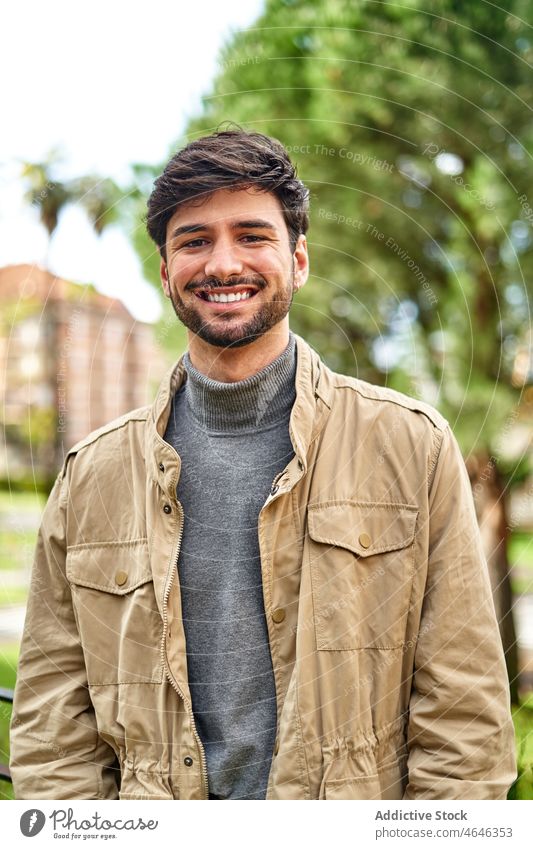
56 751
460 732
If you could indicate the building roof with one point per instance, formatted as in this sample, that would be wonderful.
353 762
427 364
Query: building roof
31 282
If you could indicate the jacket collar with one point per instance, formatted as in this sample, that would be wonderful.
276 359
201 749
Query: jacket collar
309 411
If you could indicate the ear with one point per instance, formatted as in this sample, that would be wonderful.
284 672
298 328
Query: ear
163 273
300 259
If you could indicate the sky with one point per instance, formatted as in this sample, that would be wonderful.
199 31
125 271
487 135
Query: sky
108 89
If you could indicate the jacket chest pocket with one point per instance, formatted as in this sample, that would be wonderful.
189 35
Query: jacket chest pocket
362 565
116 609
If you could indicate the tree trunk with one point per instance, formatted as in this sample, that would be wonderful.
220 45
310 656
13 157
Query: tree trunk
491 509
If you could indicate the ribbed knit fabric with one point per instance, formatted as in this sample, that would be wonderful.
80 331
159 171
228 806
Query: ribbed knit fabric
233 440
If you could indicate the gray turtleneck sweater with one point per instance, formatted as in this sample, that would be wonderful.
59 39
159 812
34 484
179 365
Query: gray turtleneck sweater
233 439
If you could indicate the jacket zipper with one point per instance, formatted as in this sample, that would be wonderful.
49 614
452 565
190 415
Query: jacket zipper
170 677
276 479
273 497
188 707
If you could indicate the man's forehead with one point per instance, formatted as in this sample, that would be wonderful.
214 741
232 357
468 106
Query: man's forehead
225 206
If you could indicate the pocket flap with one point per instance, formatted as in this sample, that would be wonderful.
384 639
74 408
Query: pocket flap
117 569
363 527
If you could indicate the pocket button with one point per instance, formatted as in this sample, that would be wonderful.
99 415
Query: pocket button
365 540
121 578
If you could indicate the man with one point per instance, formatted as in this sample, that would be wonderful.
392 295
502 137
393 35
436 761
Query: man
249 590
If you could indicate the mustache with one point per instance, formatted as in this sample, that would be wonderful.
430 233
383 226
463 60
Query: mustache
254 280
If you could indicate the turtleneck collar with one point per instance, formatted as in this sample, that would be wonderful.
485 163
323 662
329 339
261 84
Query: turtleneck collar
255 403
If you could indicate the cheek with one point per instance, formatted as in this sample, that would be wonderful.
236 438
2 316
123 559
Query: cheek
270 266
181 273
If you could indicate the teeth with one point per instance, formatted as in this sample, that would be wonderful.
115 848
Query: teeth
227 299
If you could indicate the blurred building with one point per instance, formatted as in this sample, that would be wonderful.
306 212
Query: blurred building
71 359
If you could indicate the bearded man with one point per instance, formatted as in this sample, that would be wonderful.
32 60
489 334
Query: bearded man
247 590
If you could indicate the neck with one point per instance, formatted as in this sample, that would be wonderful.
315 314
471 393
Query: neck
253 404
229 365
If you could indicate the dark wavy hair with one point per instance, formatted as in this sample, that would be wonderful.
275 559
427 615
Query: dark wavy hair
233 160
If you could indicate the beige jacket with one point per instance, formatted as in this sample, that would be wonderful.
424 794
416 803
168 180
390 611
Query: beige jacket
390 676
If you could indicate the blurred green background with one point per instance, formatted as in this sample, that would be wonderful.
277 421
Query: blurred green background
412 127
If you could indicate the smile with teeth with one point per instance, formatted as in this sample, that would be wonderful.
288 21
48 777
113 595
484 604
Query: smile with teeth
226 298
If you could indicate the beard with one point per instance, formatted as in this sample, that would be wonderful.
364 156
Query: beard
227 330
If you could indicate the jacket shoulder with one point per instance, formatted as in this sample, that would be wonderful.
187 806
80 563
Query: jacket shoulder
140 414
382 394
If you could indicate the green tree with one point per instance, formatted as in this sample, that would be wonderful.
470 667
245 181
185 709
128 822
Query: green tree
412 127
169 333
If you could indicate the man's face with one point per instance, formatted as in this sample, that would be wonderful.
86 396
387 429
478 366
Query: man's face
230 273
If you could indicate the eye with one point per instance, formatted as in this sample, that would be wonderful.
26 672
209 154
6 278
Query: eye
252 237
194 243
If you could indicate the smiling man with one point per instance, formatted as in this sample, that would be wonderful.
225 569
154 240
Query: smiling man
231 272
247 590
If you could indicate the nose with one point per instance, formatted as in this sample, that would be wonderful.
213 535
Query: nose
223 261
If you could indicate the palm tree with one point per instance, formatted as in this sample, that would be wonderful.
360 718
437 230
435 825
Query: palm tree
98 196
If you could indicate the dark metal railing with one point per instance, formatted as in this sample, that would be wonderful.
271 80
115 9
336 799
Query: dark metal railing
5 696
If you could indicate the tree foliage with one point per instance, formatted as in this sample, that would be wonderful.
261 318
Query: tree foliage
411 124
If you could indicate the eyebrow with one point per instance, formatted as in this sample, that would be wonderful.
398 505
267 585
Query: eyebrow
252 224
